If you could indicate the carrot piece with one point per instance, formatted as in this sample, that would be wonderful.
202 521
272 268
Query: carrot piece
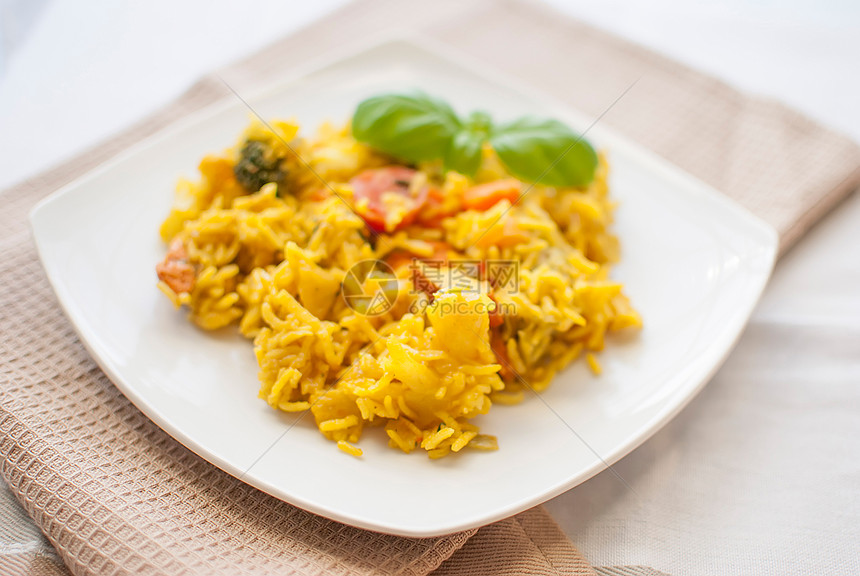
501 352
176 271
399 259
496 316
485 196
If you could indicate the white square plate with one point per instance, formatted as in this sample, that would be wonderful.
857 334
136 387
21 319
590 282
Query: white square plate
694 264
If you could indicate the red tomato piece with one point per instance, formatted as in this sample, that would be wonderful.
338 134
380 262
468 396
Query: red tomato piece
384 200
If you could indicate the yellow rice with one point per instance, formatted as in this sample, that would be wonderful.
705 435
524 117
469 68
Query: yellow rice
275 265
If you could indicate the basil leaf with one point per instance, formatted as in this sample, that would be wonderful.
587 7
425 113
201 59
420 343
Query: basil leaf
413 127
544 152
464 154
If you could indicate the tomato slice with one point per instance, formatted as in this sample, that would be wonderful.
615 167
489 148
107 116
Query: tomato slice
384 199
434 210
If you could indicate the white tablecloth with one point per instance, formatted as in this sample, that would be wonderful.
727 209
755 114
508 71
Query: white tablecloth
760 473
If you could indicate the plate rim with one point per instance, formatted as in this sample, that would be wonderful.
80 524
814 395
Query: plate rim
492 75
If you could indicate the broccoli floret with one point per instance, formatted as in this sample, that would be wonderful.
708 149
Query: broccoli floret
258 165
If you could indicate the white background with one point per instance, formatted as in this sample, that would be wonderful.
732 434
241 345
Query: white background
760 474
72 72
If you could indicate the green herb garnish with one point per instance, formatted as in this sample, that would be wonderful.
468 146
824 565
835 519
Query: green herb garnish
413 128
258 165
418 127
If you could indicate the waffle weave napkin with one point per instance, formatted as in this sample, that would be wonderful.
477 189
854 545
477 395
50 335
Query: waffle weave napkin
114 494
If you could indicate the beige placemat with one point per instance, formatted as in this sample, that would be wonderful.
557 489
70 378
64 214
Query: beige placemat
115 494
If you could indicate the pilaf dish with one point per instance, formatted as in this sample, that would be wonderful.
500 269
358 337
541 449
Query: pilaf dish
391 290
